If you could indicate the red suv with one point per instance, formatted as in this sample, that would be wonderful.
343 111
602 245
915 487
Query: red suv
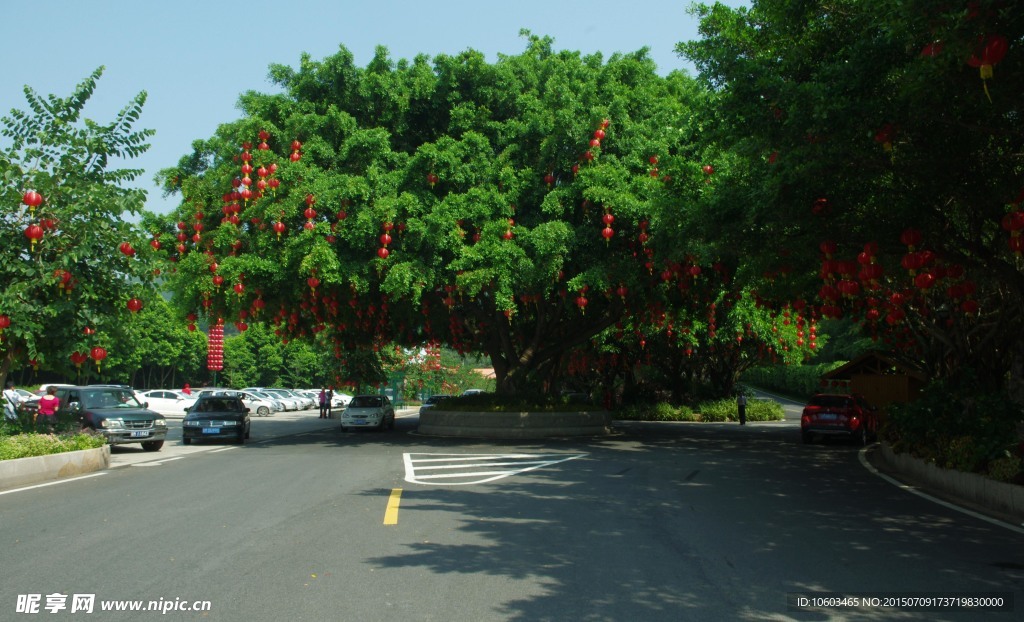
849 416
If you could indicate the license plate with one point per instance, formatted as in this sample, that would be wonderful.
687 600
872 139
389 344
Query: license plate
211 430
140 433
827 417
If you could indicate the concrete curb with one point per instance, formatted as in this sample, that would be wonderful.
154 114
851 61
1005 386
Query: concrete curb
38 469
514 425
972 488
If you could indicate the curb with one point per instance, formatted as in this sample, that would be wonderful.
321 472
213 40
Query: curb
1005 501
38 469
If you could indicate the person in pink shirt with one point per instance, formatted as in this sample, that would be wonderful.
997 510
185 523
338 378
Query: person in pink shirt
48 404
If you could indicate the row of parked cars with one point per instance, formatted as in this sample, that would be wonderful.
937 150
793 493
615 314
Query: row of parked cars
123 415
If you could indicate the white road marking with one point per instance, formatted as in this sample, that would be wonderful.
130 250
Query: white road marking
463 469
60 481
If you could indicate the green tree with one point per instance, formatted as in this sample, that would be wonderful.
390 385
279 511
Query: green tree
65 290
867 167
460 202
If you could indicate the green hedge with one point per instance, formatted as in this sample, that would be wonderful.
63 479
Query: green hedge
29 445
710 411
798 381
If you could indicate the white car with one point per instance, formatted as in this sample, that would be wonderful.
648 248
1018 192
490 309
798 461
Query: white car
278 404
258 404
166 401
340 400
368 411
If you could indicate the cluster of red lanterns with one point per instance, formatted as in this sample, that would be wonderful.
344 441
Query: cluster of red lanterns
309 212
215 348
607 218
385 239
34 232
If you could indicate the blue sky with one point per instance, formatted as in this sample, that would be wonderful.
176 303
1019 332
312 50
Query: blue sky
195 58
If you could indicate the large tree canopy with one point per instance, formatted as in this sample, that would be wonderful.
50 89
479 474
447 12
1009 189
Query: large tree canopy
514 209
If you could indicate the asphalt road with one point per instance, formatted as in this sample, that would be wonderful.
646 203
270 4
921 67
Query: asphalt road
660 522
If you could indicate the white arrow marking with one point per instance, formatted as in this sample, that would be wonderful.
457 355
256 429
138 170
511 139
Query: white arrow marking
468 468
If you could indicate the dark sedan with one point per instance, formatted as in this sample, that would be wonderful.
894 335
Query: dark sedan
215 417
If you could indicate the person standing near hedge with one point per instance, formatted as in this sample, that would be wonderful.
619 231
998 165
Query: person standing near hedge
48 404
11 401
741 406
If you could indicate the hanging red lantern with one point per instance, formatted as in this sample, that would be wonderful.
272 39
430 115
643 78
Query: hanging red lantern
313 282
34 233
5 322
991 50
432 179
134 305
708 169
127 249
98 354
32 199
279 228
383 253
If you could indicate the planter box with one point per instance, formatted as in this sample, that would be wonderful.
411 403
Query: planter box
513 425
38 469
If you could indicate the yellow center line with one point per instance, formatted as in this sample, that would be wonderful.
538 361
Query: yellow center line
391 514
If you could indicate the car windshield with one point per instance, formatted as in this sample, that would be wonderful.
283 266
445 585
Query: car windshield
365 401
219 405
109 398
830 401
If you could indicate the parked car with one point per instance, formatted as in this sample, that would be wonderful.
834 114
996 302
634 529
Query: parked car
848 416
433 401
260 404
114 412
290 402
166 401
340 400
273 399
306 402
216 415
368 411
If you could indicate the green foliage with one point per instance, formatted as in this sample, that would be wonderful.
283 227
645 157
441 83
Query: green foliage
798 381
490 402
658 411
955 426
29 445
726 410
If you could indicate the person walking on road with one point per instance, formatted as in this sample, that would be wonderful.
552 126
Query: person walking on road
741 406
330 400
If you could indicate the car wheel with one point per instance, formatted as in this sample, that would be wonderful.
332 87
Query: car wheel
152 445
186 441
262 411
248 431
241 437
344 429
391 423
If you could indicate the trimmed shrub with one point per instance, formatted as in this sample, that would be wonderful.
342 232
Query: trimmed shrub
29 445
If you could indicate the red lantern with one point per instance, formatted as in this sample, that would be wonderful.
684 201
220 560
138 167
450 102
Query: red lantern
134 305
127 249
432 179
5 322
549 179
279 228
239 288
607 233
992 50
313 282
34 233
708 169
32 199
98 354
383 252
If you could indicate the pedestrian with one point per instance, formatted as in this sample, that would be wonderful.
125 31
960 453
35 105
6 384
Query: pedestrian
741 405
330 400
48 405
323 402
11 401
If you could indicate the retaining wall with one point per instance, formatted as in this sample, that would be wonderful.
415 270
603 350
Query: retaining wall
39 469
